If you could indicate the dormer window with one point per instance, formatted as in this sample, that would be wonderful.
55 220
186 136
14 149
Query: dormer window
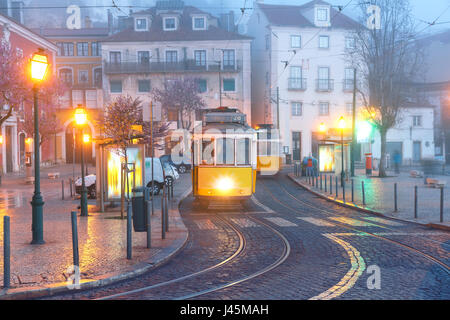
141 24
199 23
169 23
322 14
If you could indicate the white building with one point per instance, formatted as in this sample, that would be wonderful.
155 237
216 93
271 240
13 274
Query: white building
171 41
412 137
301 51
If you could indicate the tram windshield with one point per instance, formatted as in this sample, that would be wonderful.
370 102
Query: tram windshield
226 151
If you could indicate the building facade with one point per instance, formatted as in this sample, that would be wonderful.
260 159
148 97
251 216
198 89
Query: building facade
301 78
174 41
79 67
25 42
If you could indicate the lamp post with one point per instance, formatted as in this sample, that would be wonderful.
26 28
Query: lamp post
39 67
81 120
342 127
1 158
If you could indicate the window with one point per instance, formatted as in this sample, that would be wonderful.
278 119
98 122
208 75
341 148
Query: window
116 86
417 121
208 151
66 76
83 77
115 57
143 57
199 23
171 56
243 151
66 49
225 151
170 24
296 41
296 109
350 42
228 59
229 85
96 49
83 49
143 85
98 81
324 42
200 58
324 108
172 114
141 24
322 14
295 80
267 41
348 80
201 85
349 108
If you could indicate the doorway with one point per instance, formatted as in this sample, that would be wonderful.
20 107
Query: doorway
296 146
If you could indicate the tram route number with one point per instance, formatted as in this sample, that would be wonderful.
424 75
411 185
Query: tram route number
225 311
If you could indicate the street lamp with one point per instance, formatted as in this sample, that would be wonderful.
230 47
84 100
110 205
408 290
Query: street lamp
1 158
341 126
322 128
81 120
39 68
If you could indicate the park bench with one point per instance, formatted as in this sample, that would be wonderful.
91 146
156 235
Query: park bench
436 183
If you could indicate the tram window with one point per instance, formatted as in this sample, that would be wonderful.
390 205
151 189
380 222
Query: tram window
243 151
225 151
207 151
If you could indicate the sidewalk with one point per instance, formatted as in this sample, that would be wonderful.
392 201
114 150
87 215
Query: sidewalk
44 269
379 196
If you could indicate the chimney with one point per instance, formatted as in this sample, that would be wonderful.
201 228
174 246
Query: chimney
87 22
110 22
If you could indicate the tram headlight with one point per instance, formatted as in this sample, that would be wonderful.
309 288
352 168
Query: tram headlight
224 184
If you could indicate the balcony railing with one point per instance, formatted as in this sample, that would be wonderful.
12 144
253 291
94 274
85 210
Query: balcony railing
324 85
163 67
347 85
297 84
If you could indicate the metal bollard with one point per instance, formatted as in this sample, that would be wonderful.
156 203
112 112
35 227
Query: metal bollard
343 191
317 181
62 189
313 179
321 182
395 198
70 186
326 182
76 256
166 207
442 206
129 234
353 191
415 202
163 219
148 214
331 185
363 193
6 252
337 187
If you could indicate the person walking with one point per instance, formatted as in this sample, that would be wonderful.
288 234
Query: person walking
397 160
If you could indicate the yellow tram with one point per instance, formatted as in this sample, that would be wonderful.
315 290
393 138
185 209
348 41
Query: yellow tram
224 157
269 150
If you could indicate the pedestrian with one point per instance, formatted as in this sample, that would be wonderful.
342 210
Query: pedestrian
397 160
309 166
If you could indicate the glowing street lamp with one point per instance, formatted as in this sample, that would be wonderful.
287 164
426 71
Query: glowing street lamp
39 68
322 128
81 120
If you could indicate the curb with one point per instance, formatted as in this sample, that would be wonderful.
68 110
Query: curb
60 288
365 209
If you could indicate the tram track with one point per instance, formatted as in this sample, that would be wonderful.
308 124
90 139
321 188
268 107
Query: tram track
239 253
328 213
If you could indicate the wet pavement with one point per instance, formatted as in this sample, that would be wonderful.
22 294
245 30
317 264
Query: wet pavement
102 236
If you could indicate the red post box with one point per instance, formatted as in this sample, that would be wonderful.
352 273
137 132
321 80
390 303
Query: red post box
368 163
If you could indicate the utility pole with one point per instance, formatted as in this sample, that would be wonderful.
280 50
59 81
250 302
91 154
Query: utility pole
220 84
278 108
352 153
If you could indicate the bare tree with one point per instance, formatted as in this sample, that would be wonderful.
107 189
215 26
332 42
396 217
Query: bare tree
387 59
181 96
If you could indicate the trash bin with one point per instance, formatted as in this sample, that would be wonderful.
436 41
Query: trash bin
139 208
368 163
